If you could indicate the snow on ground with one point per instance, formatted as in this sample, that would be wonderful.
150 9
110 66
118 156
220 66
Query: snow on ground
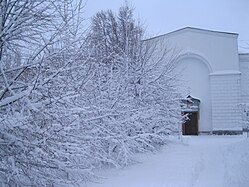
203 161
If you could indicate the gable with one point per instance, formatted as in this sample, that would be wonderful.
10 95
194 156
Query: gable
219 49
197 30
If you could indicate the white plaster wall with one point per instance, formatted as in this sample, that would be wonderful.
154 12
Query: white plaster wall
225 91
219 49
194 76
244 69
213 77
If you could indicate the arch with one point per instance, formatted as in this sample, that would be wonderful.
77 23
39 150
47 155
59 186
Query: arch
195 56
193 71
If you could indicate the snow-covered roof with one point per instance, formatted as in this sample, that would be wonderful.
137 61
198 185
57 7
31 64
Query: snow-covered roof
226 72
190 104
197 30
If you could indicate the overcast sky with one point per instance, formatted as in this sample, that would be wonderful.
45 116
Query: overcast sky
163 16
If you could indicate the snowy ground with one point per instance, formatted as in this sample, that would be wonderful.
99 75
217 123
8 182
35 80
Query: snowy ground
203 161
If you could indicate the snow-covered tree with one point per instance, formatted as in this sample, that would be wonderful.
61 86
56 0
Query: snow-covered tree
71 103
39 41
132 93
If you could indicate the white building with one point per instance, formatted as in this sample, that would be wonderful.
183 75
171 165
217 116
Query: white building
213 71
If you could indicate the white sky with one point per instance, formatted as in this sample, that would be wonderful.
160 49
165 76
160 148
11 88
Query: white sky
163 16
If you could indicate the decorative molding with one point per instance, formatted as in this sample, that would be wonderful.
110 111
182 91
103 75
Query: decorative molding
188 54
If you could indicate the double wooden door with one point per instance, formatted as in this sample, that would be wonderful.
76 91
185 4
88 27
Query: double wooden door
190 127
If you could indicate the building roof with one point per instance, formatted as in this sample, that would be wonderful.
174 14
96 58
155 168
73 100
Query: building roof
192 29
244 54
244 57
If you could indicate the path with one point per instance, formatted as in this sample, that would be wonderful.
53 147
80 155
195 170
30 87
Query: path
198 162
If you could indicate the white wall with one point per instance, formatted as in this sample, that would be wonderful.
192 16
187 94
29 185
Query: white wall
219 49
244 69
225 91
211 70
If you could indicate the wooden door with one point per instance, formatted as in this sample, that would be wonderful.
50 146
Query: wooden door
190 127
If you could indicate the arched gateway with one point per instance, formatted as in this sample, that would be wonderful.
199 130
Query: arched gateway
194 78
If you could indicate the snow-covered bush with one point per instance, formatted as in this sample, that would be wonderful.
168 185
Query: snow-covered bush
68 103
134 104
245 117
36 146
